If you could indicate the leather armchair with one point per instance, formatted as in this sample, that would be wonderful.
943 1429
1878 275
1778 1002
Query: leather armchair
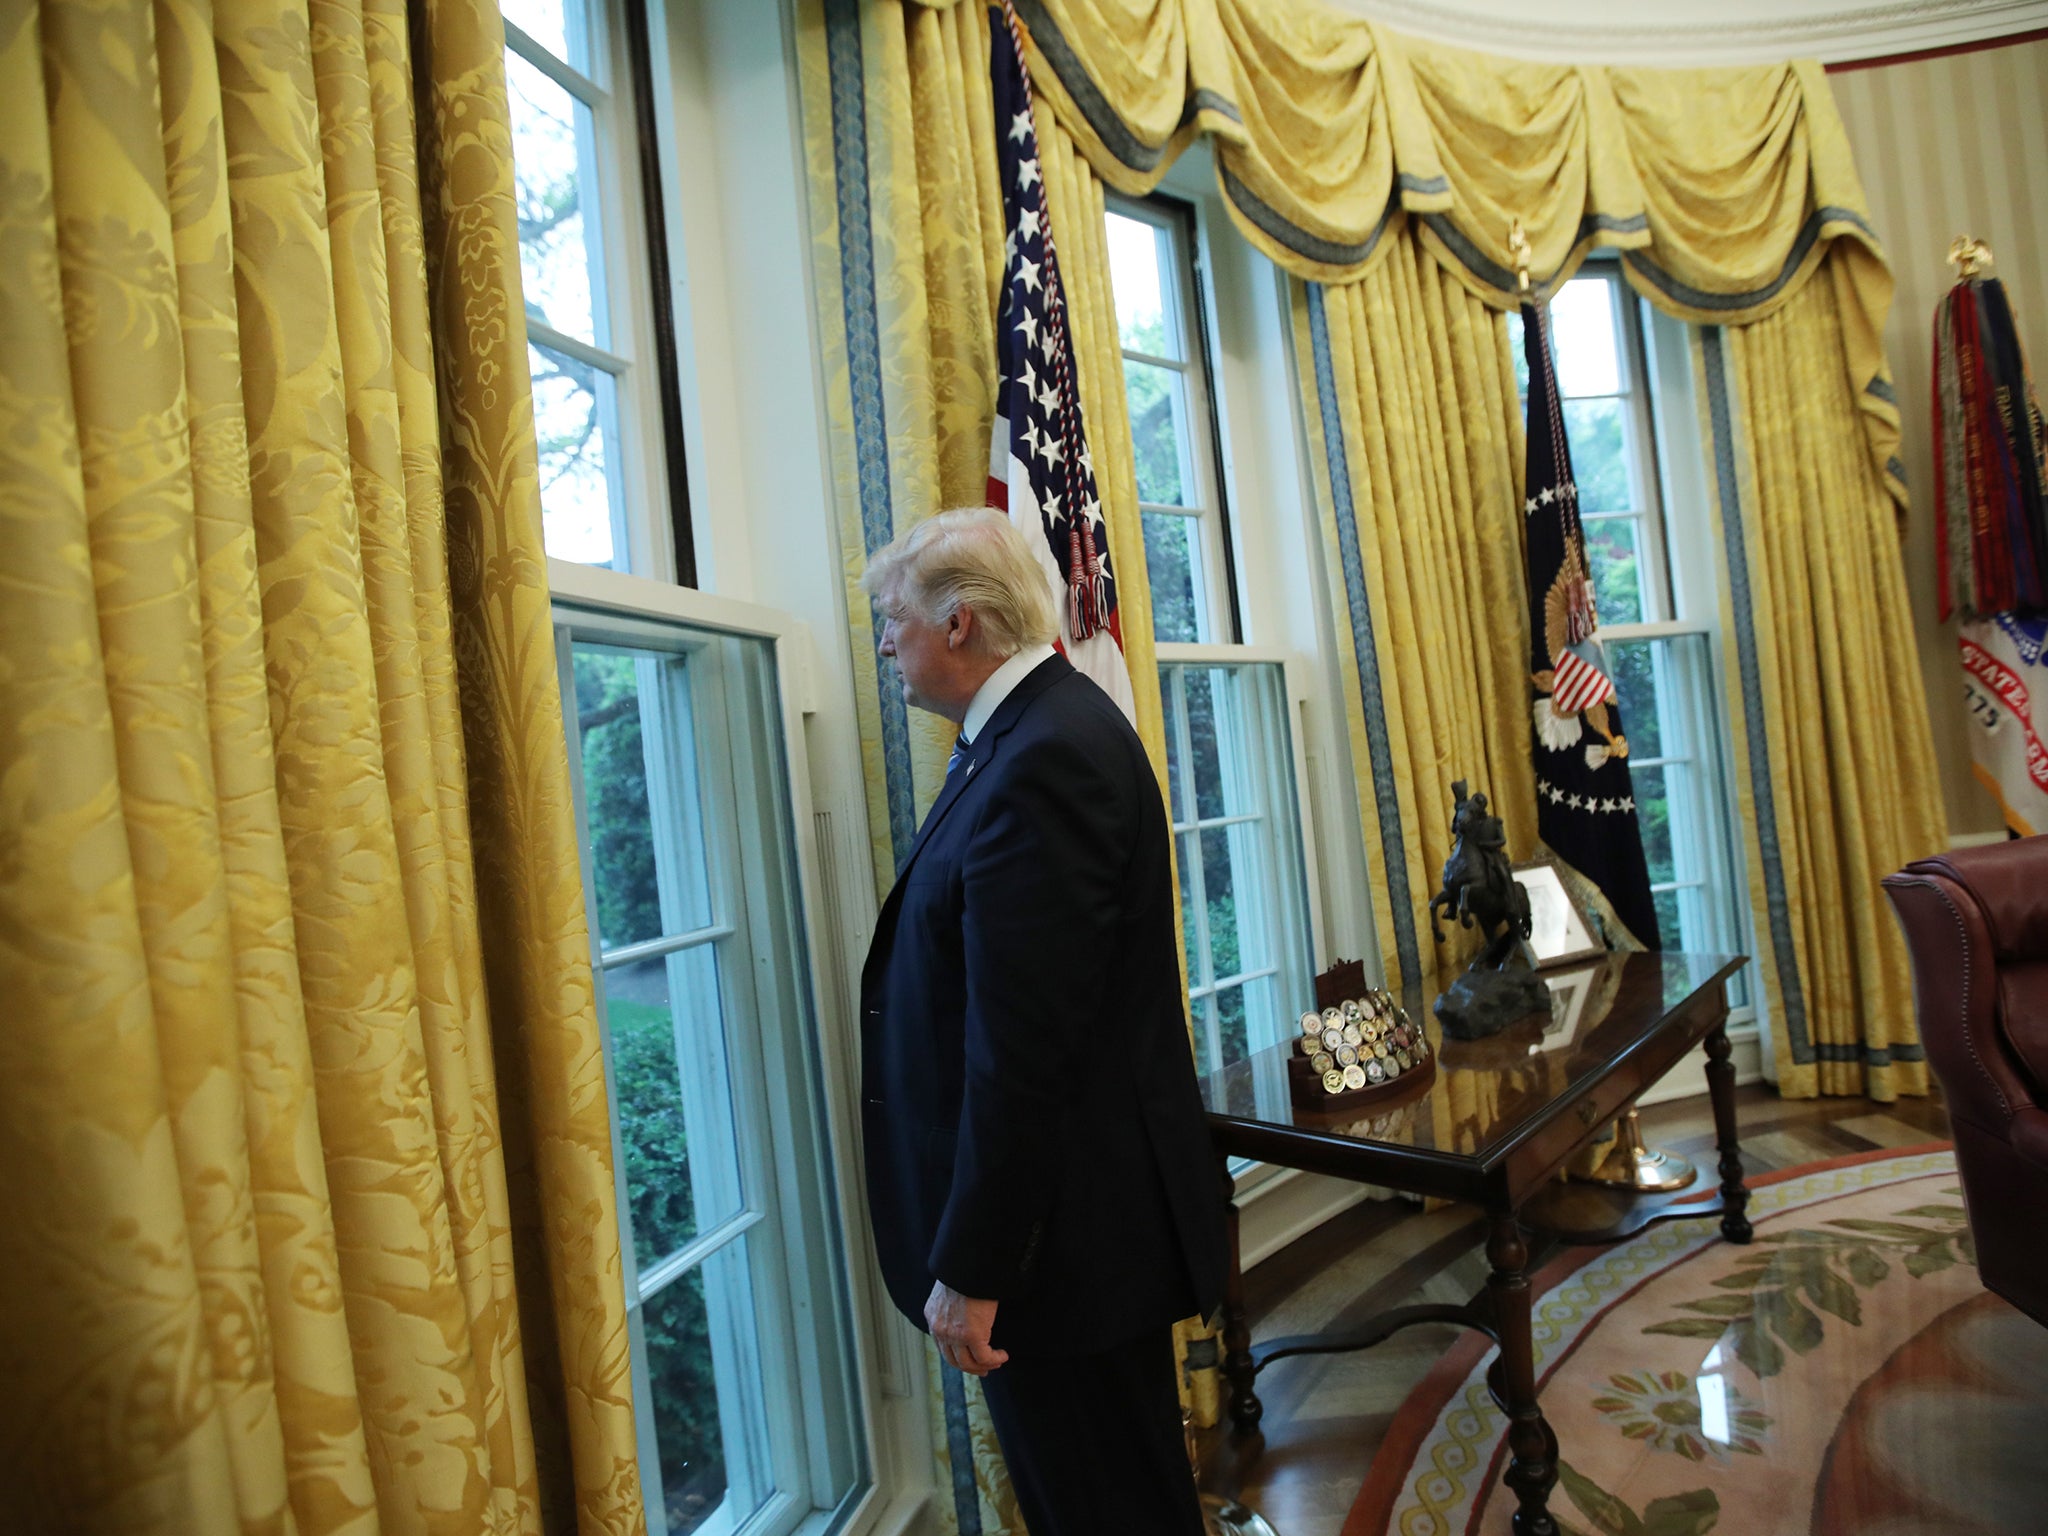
1976 924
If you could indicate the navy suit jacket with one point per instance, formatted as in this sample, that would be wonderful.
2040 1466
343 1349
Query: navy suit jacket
1032 1129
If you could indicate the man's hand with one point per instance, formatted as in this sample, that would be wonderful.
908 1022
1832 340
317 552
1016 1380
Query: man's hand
961 1325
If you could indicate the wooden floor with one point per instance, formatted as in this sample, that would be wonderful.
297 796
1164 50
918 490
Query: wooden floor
1325 1416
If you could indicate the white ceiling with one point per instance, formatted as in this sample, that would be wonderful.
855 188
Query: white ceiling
1694 32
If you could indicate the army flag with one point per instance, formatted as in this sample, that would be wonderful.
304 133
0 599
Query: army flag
1585 798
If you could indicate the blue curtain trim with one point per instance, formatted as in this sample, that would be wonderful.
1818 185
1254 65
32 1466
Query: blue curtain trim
1117 135
864 372
1698 298
1498 277
1393 850
960 1451
1298 240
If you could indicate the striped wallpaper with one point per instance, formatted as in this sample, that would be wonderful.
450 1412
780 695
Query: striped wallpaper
1951 146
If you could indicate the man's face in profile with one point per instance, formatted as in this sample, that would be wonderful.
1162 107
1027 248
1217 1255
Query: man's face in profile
921 653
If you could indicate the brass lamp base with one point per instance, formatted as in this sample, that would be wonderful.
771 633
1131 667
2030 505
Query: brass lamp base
1227 1517
1632 1165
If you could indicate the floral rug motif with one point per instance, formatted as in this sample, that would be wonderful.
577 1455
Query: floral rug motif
1844 1375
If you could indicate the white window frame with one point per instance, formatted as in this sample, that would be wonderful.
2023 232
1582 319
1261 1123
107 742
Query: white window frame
1304 931
1640 443
1200 475
796 1163
622 288
1679 587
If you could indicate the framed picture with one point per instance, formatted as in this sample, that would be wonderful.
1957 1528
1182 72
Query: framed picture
1558 931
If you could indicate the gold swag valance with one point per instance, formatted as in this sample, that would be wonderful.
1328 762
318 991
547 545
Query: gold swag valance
1724 189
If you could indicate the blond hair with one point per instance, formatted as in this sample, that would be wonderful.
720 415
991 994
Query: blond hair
972 557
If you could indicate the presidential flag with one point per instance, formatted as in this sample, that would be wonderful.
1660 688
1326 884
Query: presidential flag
1585 799
1040 470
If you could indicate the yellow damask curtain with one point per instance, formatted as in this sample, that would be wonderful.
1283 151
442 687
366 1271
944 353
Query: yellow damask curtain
1415 438
1833 761
304 1148
1725 189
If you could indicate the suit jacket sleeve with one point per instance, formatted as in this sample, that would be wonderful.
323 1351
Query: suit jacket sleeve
1042 876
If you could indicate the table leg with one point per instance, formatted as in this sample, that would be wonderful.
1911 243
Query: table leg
1239 1371
1721 1089
1532 1470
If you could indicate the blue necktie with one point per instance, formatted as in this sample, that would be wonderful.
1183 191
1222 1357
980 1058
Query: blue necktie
959 752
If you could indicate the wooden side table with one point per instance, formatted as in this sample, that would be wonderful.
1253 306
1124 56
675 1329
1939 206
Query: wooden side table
1494 1126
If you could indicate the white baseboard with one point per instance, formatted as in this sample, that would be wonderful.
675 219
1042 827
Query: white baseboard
1689 1077
1287 1203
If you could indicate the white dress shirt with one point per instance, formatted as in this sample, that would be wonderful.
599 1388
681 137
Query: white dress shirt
999 685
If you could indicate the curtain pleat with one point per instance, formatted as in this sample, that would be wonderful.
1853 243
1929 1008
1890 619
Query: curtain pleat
264 1269
1832 755
1415 442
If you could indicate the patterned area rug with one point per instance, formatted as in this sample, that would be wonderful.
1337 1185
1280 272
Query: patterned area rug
1844 1375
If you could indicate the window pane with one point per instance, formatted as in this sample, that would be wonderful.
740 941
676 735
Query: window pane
575 410
1169 708
615 796
1172 563
1208 771
1158 432
1583 332
1143 315
652 1130
1599 443
1230 1024
1611 544
1520 352
1266 1022
1219 888
1653 810
702 1366
560 26
674 1095
685 1394
1671 927
1188 856
1631 664
552 154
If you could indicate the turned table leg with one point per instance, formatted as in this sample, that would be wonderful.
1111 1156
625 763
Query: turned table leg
1532 1447
1721 1088
1239 1371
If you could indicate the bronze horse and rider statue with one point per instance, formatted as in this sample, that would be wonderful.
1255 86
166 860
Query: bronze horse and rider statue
1480 891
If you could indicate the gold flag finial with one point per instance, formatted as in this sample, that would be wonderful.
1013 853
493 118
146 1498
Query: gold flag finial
1969 256
1518 253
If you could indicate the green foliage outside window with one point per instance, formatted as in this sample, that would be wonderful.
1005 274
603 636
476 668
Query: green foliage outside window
615 795
649 1102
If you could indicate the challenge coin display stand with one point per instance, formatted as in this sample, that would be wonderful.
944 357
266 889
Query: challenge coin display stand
1358 1048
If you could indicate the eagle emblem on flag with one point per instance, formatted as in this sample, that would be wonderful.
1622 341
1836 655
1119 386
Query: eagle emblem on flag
1574 691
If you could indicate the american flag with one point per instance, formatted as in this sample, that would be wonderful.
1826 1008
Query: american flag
1040 470
1585 796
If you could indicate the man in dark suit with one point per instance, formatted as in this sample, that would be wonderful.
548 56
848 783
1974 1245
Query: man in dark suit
1044 1198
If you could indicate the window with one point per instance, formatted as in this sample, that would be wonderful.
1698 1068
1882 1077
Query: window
606 402
1661 658
743 1377
1173 434
1597 334
1237 840
1230 737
